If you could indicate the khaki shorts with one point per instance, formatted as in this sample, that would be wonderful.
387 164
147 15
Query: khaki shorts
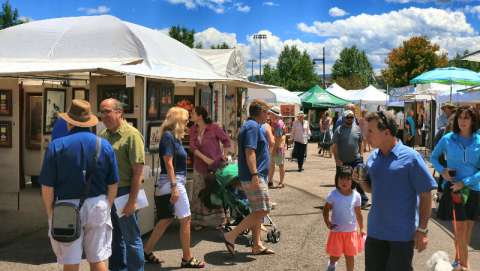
258 199
95 238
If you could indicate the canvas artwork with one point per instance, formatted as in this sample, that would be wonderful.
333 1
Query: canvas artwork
80 93
205 100
153 100
185 101
154 137
34 121
5 134
54 103
5 102
119 92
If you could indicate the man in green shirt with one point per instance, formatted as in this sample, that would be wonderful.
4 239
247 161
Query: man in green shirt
127 142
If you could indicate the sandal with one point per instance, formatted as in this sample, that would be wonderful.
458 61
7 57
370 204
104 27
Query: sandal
230 247
264 251
151 258
192 263
280 185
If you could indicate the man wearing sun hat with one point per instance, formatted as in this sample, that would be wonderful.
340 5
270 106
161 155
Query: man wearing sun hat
62 177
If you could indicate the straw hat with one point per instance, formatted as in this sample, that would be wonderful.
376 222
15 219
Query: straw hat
276 111
80 114
448 105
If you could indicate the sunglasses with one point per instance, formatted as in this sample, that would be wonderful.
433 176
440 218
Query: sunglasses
107 111
349 118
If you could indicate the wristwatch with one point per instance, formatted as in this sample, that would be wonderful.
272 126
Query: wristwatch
172 185
422 230
254 174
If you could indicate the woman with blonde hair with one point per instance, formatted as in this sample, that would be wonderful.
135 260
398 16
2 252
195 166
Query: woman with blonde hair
171 198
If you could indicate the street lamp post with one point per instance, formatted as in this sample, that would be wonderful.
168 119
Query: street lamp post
252 61
260 37
323 61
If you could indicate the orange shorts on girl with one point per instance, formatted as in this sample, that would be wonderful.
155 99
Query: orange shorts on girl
345 243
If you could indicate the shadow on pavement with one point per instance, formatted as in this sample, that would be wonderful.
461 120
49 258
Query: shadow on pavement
447 226
34 249
223 258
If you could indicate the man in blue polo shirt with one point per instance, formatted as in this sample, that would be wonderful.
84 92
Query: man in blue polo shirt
401 186
62 179
253 162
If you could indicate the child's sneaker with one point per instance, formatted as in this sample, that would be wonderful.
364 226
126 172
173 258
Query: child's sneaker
331 267
455 264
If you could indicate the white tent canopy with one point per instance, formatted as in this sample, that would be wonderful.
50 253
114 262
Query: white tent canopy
96 43
227 62
273 95
338 91
370 95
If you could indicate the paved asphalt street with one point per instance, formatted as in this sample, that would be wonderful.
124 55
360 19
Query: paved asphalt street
298 216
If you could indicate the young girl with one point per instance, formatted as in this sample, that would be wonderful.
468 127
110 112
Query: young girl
344 237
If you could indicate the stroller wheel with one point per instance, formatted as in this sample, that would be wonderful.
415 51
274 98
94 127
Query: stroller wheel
276 236
227 228
245 232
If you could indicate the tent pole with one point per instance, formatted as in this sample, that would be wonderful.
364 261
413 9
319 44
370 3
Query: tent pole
451 91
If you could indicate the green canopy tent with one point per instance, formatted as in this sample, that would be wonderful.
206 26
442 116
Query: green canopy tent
317 97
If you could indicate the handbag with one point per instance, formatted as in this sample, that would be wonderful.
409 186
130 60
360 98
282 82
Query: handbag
66 224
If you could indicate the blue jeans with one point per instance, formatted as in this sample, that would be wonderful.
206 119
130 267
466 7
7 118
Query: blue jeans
127 245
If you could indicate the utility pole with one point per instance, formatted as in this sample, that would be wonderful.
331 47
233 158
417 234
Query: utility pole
260 37
252 61
323 62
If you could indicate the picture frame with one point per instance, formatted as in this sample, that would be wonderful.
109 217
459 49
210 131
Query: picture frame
54 101
33 125
119 92
184 101
153 136
206 100
80 93
159 99
5 102
132 121
5 134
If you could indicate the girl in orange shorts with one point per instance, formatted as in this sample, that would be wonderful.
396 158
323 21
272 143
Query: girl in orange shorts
344 238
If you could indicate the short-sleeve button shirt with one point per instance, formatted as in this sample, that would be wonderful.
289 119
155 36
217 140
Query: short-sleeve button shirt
251 136
67 157
129 149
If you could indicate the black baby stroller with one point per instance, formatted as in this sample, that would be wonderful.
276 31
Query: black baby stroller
225 191
324 143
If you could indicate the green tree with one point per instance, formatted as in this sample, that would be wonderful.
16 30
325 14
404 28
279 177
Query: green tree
222 45
199 45
415 56
294 70
352 70
183 35
459 63
9 16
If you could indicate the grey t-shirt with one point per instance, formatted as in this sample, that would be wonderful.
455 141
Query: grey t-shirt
348 141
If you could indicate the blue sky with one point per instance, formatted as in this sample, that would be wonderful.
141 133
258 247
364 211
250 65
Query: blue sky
375 26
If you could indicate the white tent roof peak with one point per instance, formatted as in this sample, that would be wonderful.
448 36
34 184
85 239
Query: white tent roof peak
226 62
102 42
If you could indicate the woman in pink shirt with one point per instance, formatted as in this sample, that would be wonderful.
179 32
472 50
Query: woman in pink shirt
205 140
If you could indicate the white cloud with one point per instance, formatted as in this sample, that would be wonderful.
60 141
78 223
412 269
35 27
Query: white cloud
429 1
475 10
242 8
337 12
378 34
217 6
211 36
271 4
95 11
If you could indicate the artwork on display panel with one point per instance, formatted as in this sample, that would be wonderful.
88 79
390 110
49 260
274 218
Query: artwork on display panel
5 102
53 103
206 100
153 137
80 93
159 99
5 134
34 121
185 101
119 92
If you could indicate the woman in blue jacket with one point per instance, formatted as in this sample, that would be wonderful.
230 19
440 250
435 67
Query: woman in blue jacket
462 151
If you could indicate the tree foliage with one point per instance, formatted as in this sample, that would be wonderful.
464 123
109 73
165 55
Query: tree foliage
352 70
457 62
183 35
415 56
222 45
9 16
294 70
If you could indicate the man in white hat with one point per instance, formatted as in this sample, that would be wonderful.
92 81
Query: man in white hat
278 150
68 161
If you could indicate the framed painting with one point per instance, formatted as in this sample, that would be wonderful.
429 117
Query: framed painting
53 103
119 92
5 134
206 100
5 102
185 101
132 121
34 121
153 101
80 93
153 136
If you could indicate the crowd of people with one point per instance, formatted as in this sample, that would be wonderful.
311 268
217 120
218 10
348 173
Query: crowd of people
397 222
